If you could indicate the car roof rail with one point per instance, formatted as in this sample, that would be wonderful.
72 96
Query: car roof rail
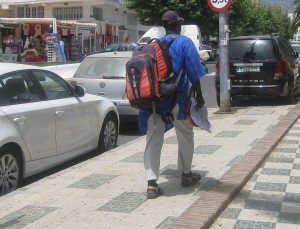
275 34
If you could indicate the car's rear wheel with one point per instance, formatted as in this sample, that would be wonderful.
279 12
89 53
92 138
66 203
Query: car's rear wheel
290 98
109 134
9 170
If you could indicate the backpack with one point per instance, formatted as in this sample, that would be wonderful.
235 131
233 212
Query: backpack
149 75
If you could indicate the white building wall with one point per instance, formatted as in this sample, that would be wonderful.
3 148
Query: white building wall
114 12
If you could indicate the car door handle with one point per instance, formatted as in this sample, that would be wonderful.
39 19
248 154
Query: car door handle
102 93
59 113
20 120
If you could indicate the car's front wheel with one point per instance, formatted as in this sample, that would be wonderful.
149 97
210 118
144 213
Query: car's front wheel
109 134
9 170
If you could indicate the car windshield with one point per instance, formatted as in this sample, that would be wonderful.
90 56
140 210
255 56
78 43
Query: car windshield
102 67
251 50
120 47
296 48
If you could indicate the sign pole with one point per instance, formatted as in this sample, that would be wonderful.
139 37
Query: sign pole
225 84
221 7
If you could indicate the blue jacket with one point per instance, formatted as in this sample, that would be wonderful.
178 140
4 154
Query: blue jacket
184 56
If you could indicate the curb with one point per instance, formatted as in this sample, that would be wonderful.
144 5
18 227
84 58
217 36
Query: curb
206 210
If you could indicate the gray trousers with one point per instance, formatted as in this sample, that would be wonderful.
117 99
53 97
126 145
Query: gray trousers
154 142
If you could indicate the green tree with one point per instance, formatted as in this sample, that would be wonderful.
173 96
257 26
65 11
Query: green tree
245 17
149 12
296 16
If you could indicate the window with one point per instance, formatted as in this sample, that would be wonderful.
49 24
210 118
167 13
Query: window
27 12
54 87
97 13
17 88
40 12
252 49
21 12
33 10
68 13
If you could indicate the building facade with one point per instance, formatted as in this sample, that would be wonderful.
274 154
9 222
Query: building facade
111 16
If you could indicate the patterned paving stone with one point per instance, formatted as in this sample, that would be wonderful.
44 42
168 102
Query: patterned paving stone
280 160
292 197
271 171
293 134
135 158
217 117
272 187
169 170
166 223
285 150
24 216
93 181
296 166
228 134
263 205
206 149
207 186
244 122
286 217
231 213
126 202
247 224
171 140
255 142
294 180
235 160
254 178
286 141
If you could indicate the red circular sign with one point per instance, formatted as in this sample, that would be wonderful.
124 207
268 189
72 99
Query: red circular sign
219 5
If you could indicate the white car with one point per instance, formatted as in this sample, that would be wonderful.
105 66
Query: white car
44 122
104 74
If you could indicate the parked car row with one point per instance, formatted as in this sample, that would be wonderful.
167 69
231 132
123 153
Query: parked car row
44 121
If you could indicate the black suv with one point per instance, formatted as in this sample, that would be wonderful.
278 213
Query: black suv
261 66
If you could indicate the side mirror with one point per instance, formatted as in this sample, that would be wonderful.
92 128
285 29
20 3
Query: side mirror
79 91
297 54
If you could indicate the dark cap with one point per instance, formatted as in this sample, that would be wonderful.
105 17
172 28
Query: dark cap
171 17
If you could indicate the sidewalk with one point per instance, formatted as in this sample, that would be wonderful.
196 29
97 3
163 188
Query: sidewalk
108 191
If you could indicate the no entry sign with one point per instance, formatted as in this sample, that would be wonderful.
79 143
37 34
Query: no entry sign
219 5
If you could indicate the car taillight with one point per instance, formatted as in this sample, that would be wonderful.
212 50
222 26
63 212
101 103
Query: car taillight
218 68
279 68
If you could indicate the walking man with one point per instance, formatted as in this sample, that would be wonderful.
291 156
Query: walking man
185 58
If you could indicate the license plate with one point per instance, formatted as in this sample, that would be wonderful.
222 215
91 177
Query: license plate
247 69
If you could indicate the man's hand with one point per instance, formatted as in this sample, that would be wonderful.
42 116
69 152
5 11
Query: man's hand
200 100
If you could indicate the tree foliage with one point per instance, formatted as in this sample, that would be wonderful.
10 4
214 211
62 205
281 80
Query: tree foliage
245 16
296 16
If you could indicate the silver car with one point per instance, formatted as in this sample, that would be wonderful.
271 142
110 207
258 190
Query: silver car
44 122
104 74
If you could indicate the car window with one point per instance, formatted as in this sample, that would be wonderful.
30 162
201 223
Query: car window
100 68
54 87
16 88
296 48
251 50
285 48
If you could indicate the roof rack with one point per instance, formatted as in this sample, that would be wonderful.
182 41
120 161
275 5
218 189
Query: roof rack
275 34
